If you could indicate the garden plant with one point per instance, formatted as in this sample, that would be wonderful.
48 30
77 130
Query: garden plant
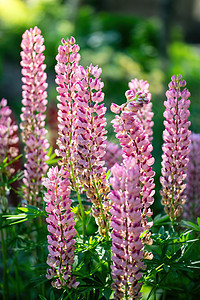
84 227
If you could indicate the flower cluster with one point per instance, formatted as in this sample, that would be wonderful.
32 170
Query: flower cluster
8 147
175 147
113 154
127 247
192 191
81 125
67 64
134 142
145 113
33 117
8 136
61 228
91 142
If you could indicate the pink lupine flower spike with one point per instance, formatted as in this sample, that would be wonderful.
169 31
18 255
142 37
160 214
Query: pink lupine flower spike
33 117
175 147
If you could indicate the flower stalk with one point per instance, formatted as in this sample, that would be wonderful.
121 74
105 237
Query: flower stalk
175 148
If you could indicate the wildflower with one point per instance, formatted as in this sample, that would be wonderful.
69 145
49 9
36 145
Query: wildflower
91 142
8 147
33 117
61 228
113 154
127 247
175 147
135 143
192 190
8 136
145 113
67 64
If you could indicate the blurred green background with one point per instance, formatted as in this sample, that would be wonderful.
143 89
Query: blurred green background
150 40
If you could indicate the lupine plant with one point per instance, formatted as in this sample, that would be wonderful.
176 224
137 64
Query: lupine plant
85 227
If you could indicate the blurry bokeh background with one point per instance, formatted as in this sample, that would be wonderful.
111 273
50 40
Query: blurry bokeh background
147 39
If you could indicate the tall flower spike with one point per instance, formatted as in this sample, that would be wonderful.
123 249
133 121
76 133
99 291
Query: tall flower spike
91 142
33 117
134 142
192 191
8 136
175 147
8 141
127 247
61 228
145 113
67 64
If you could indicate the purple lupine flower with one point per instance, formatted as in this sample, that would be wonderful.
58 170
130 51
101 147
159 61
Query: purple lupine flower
61 228
127 247
33 117
113 154
91 141
145 113
67 64
192 191
135 143
175 147
8 147
8 136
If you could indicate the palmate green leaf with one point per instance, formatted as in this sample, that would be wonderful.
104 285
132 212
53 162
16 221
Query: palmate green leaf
5 164
52 157
29 212
18 176
192 225
159 219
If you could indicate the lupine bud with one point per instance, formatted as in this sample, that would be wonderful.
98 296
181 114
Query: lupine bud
192 191
33 117
61 228
175 147
127 247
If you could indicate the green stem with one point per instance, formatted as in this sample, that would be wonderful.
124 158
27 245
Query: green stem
101 208
79 199
5 274
17 278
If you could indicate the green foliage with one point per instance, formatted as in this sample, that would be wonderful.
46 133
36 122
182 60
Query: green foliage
29 212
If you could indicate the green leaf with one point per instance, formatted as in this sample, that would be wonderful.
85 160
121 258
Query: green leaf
12 161
52 296
29 212
42 297
52 160
190 225
107 293
198 221
159 219
108 174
